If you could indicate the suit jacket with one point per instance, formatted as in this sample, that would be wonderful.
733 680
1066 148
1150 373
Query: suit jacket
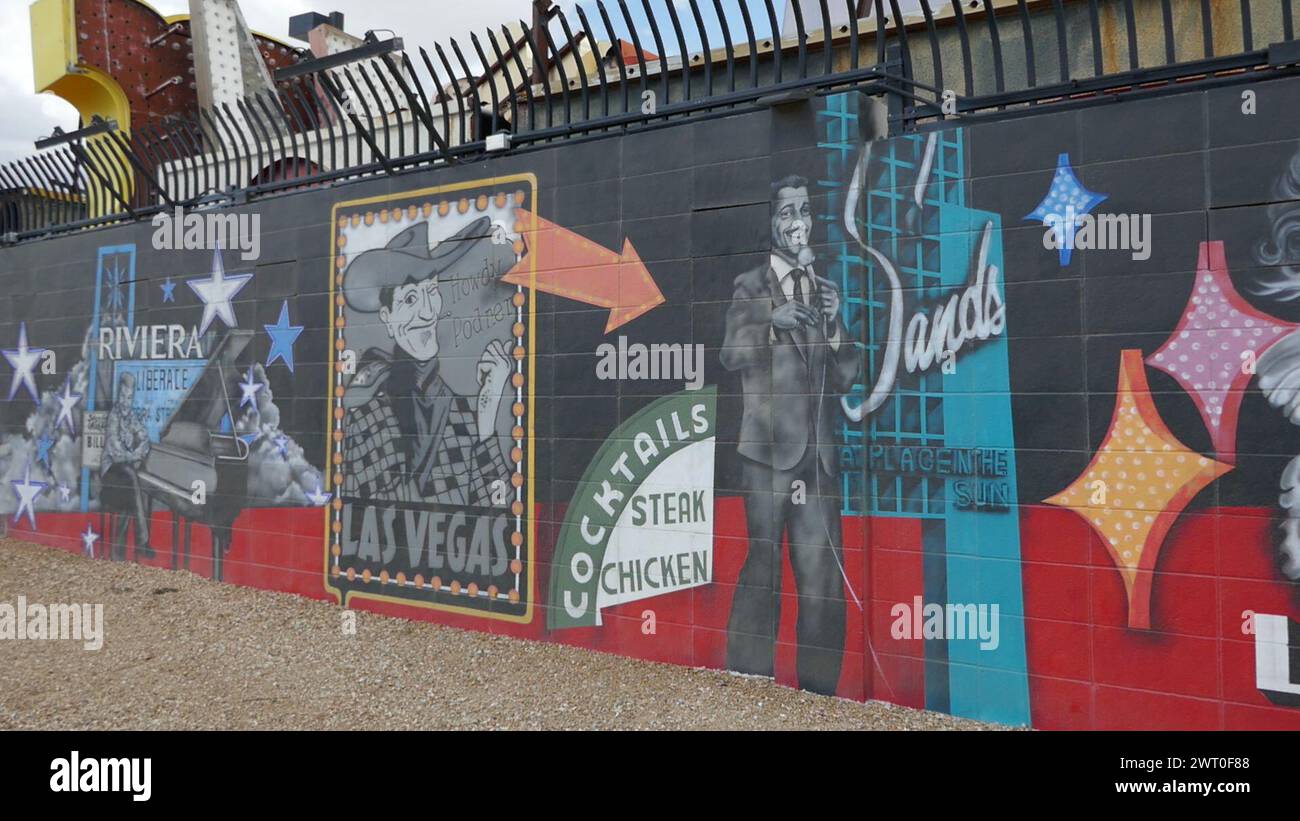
791 385
127 439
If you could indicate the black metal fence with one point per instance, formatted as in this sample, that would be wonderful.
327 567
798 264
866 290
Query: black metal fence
596 71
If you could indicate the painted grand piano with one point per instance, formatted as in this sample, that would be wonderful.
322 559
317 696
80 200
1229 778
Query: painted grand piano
199 444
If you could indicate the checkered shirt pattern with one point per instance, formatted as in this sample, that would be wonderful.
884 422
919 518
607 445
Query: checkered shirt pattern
463 471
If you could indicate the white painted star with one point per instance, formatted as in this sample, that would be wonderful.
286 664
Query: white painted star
65 493
24 360
88 540
27 491
250 389
319 498
67 401
216 292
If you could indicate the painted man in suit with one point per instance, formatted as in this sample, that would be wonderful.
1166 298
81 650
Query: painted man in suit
126 445
409 437
785 337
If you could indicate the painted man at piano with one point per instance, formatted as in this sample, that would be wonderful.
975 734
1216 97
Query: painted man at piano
125 448
785 337
408 436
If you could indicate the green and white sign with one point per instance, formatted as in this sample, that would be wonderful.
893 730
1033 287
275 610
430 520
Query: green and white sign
641 522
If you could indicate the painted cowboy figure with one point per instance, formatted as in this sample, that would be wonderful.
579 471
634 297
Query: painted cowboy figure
408 436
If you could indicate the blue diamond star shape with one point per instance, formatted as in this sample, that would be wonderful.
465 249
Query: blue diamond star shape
283 335
282 445
169 290
1066 201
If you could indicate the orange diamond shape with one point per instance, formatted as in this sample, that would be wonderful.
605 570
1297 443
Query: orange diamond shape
1136 486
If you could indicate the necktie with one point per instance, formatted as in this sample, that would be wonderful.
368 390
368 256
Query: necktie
800 333
798 274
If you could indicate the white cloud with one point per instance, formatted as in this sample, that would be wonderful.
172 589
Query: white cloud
29 117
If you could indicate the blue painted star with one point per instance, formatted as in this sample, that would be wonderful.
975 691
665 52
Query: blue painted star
319 498
227 426
88 540
250 389
1066 201
23 359
283 335
67 401
43 446
216 292
169 290
27 491
282 445
116 279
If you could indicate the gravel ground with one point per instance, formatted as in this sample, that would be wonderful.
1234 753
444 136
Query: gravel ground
182 652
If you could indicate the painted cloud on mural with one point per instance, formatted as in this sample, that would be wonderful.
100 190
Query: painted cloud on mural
1282 247
50 449
1279 368
279 473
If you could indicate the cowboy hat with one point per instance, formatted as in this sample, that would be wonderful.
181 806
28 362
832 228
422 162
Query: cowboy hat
407 258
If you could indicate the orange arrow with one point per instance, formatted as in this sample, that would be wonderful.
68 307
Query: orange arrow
560 262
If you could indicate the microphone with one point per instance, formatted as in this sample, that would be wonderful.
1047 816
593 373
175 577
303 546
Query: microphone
805 258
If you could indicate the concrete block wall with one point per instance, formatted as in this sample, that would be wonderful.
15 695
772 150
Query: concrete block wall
764 393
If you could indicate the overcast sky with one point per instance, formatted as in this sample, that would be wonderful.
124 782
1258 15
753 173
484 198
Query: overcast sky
28 116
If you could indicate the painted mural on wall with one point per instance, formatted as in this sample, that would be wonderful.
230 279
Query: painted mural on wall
786 339
641 526
1278 354
910 418
434 358
161 408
